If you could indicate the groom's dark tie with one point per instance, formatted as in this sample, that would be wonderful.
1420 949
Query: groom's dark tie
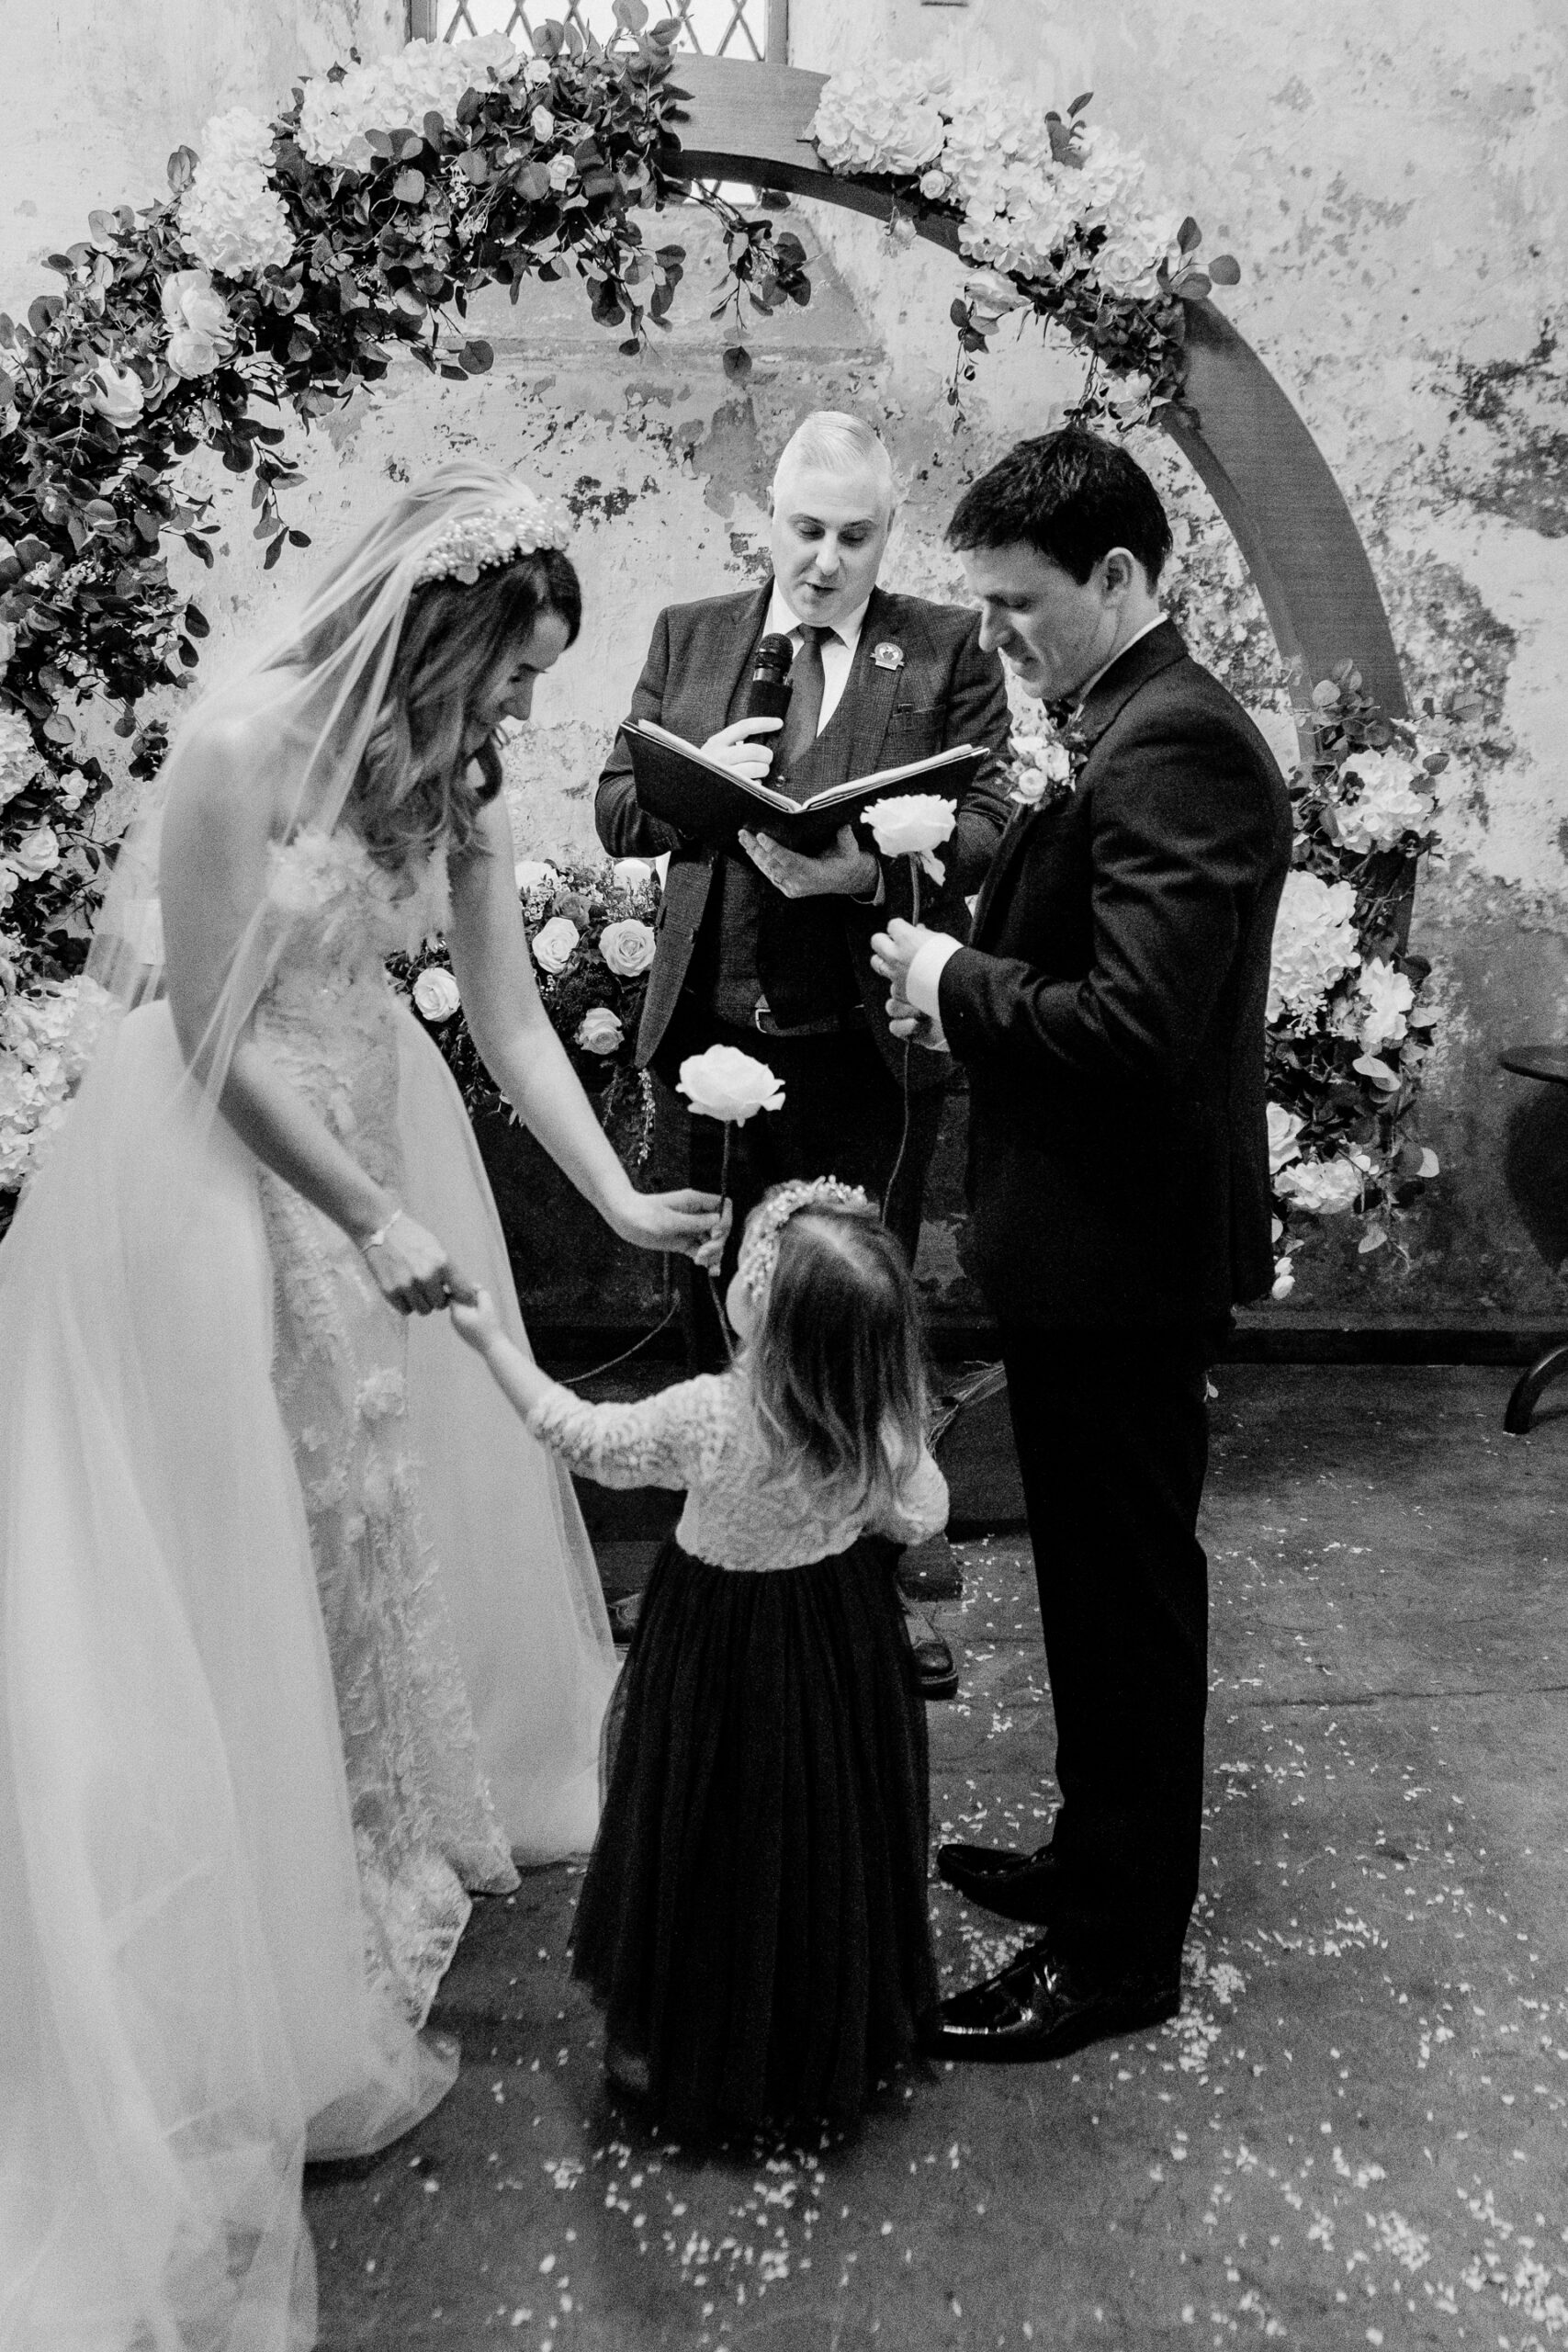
805 685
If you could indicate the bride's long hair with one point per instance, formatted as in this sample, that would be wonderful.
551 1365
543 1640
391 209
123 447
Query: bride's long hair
365 694
414 786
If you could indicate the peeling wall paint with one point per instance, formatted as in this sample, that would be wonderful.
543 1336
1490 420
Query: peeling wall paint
1393 186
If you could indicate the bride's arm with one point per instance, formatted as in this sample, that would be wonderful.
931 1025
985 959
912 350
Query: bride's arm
217 831
528 1061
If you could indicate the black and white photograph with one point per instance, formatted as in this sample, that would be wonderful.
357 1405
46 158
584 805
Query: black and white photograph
783 1176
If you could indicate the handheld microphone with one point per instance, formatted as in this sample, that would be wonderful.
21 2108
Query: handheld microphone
768 688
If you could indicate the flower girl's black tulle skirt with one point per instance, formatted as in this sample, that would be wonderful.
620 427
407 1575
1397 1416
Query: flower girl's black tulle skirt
753 1918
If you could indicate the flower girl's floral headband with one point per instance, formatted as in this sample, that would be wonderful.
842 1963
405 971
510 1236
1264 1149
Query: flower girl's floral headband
520 525
759 1250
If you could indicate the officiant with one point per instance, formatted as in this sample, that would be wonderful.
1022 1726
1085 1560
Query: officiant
766 949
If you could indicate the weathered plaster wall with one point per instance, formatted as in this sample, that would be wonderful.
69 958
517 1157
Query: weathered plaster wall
1395 182
99 93
1392 186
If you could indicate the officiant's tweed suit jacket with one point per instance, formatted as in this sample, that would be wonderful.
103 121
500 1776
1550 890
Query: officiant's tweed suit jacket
1110 1011
941 690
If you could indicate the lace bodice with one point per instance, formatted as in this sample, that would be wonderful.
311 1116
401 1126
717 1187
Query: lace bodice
702 1435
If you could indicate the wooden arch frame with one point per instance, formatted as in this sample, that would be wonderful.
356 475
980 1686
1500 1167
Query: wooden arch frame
1260 464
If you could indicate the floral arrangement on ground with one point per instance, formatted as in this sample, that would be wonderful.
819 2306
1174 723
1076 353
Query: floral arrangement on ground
589 931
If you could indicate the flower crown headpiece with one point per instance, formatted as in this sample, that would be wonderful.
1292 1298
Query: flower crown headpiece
760 1250
520 525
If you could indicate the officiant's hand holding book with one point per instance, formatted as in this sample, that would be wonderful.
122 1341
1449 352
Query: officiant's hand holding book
711 801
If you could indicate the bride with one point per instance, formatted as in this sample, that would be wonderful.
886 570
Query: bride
299 1634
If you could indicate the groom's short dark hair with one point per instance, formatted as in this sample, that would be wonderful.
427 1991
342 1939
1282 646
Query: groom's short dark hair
1072 496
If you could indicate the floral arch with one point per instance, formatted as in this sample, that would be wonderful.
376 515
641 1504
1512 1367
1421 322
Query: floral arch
291 259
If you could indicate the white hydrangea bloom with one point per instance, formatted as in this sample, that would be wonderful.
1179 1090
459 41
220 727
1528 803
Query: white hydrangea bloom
46 1042
1322 1187
882 122
1393 800
396 93
1314 945
19 761
231 219
1383 1000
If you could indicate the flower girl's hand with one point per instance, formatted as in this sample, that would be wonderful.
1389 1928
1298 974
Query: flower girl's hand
476 1321
412 1268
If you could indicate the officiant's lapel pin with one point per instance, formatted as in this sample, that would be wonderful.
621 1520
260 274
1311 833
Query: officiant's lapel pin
887 656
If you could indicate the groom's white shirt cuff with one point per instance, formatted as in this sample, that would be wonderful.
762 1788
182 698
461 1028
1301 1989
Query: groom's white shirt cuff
922 983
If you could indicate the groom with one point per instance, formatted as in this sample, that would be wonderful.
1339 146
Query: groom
1109 1014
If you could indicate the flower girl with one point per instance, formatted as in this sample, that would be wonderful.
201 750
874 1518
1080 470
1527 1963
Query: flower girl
753 1918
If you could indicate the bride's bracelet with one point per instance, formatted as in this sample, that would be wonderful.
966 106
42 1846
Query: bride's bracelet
374 1240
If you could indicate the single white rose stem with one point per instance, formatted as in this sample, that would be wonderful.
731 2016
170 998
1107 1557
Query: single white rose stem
713 1273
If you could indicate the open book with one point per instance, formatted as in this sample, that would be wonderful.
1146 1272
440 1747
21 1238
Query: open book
701 798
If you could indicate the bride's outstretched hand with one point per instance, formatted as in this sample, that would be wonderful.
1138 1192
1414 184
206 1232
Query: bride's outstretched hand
679 1221
412 1268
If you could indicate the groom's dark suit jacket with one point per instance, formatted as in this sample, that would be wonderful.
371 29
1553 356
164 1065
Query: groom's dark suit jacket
1109 1013
934 688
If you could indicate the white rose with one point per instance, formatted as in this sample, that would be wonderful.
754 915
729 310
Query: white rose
912 824
600 1031
627 947
723 1083
534 874
555 943
1283 1128
117 394
1384 998
201 330
542 122
537 73
38 853
437 993
933 185
491 54
1322 1187
190 299
632 872
562 172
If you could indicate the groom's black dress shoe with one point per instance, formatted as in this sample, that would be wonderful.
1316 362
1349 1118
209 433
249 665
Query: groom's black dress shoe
1043 2006
1016 1887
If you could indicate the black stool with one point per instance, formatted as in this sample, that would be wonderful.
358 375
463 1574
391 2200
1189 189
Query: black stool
1549 1063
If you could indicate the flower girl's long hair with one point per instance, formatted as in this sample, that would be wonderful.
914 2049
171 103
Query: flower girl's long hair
836 1361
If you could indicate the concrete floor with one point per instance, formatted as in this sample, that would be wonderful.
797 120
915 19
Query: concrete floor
1354 2132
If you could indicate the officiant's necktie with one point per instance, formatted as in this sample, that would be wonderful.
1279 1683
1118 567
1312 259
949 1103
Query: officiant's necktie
805 688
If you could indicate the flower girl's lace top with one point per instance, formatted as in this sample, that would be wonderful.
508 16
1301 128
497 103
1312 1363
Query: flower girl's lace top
702 1435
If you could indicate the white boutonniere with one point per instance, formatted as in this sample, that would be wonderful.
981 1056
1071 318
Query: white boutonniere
888 656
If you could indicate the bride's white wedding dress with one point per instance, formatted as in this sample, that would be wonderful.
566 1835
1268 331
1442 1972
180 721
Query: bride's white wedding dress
254 1523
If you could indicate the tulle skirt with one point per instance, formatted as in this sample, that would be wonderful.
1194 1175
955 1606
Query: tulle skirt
754 1918
184 2010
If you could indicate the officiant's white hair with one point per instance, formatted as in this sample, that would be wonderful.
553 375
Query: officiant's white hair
835 442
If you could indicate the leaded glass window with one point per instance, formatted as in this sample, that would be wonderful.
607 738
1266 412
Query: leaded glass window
737 28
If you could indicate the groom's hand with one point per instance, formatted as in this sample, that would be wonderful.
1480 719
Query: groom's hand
891 953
